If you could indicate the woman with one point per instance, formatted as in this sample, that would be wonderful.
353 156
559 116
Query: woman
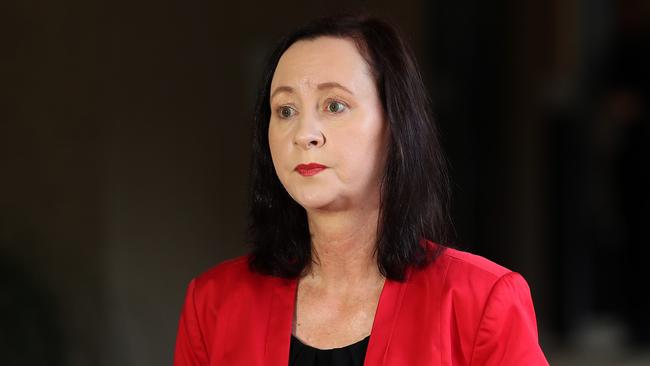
348 220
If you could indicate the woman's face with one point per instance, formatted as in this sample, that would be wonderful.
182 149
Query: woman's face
325 109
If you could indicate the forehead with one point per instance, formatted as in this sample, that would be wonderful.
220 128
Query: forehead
308 63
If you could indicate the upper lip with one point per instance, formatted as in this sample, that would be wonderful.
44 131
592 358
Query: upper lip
309 166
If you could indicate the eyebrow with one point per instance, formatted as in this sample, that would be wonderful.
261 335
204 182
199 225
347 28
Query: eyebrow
322 86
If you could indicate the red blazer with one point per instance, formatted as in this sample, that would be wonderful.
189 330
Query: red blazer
460 310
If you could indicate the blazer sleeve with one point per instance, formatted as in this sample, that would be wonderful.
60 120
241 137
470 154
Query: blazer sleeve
190 345
507 334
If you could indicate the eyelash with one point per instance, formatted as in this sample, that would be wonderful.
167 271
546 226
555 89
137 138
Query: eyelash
328 103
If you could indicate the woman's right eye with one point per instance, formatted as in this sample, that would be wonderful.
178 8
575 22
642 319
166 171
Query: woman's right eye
286 112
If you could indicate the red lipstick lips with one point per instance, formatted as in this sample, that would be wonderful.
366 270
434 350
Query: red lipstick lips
309 169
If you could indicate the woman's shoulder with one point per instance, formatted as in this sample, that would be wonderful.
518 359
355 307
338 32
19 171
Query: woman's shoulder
480 298
470 275
232 266
472 264
229 276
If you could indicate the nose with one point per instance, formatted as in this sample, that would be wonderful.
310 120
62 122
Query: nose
309 135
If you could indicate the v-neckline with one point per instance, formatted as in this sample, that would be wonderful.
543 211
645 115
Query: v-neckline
295 309
305 345
281 311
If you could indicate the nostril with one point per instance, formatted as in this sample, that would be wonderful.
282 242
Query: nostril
307 141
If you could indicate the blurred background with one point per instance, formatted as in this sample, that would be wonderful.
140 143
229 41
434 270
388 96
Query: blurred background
124 150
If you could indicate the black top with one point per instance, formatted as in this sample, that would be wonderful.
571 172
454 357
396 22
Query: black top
301 354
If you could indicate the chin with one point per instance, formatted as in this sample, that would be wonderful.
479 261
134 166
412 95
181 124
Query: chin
313 200
314 204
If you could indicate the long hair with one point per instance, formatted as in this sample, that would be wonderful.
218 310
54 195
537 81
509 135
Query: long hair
414 193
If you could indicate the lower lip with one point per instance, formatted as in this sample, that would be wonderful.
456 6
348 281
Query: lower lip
310 172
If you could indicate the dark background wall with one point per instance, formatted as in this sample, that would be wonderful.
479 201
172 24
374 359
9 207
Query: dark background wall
124 138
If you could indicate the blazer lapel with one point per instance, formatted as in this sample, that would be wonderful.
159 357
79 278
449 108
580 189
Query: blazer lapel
278 331
383 325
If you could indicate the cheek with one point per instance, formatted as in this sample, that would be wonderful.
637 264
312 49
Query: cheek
362 153
372 139
279 153
274 147
275 142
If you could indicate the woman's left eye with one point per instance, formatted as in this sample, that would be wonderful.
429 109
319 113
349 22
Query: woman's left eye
336 107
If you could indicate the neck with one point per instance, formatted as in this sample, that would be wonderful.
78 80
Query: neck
343 247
